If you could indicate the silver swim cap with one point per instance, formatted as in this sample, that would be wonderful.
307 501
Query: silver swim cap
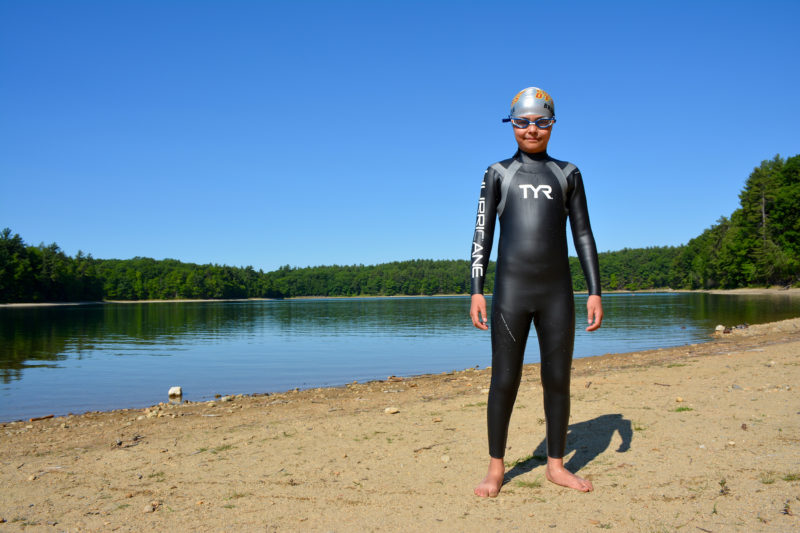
532 101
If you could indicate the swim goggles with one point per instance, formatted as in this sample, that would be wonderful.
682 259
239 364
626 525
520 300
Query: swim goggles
522 123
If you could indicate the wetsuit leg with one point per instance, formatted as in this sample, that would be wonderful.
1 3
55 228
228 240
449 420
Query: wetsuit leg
554 319
555 329
509 332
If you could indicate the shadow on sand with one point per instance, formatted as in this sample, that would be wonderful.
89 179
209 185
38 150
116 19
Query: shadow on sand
588 439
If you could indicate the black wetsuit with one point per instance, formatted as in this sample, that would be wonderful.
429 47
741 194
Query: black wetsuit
532 195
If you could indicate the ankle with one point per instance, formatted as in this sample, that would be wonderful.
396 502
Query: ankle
496 464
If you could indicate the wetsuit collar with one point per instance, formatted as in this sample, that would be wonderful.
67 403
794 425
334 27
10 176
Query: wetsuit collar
525 157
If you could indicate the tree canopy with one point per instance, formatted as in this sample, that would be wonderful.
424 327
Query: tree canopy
759 244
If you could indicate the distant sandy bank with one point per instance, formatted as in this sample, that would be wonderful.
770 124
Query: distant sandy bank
772 290
745 292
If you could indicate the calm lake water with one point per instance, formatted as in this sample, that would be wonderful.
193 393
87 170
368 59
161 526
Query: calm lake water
56 360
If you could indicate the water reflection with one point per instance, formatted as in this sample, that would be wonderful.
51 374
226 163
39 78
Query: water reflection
129 352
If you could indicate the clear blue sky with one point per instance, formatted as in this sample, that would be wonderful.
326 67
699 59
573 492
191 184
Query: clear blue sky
316 133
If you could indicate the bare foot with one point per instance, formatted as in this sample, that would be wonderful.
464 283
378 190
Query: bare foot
559 475
490 486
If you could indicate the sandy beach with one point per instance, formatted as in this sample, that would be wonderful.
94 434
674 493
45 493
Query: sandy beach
694 438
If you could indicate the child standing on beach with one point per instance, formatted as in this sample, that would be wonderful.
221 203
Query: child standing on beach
533 195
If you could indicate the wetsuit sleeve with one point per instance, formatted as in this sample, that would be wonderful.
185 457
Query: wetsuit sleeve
582 235
484 231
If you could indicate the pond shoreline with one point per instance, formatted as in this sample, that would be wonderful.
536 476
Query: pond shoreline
76 359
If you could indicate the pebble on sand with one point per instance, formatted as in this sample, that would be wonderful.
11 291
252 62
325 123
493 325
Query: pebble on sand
391 410
175 392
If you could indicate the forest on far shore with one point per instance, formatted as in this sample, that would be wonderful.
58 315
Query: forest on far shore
758 245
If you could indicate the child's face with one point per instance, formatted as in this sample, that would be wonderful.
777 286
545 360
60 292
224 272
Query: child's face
532 139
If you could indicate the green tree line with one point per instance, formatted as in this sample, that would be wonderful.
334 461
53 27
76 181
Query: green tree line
45 274
758 245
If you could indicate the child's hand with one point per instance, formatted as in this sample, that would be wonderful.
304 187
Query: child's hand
477 311
594 308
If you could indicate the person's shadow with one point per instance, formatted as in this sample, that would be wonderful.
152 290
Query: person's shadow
589 439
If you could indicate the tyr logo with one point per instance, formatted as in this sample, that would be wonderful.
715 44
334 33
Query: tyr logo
544 189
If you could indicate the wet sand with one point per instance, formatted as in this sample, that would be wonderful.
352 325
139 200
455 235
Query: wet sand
694 438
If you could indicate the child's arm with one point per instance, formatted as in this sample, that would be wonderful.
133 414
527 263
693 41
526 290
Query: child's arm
587 250
582 235
482 246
